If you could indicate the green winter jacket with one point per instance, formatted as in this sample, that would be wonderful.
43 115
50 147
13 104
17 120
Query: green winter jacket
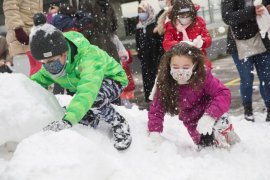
84 75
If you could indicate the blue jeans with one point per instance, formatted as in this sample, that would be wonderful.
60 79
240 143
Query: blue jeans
245 69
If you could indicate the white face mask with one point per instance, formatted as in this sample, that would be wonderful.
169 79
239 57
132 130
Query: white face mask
162 4
182 75
185 21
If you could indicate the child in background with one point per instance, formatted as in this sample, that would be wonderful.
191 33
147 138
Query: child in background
52 11
125 60
128 93
187 89
185 25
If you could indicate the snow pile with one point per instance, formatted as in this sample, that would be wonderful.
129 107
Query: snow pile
25 108
85 153
61 156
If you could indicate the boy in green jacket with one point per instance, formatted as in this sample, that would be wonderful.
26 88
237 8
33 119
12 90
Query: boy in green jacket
96 79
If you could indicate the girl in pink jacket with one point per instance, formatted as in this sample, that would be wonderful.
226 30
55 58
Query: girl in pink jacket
185 87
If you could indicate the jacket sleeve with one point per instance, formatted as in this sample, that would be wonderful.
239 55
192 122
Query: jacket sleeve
156 115
12 14
139 42
91 76
234 17
169 39
42 78
220 96
205 34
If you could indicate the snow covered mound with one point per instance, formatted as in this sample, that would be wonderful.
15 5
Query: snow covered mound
25 107
64 155
85 153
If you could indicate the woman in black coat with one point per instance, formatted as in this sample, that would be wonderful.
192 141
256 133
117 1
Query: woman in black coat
240 15
149 46
104 25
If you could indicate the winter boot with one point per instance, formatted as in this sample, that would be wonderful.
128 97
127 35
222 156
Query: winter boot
248 112
224 133
90 119
268 114
121 134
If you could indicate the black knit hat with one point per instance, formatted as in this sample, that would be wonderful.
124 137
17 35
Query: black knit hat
46 41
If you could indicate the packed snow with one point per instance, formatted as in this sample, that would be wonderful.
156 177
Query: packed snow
85 153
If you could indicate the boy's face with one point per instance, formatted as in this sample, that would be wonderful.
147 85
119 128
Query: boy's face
62 58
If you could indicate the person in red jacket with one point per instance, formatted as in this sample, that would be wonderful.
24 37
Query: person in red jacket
185 25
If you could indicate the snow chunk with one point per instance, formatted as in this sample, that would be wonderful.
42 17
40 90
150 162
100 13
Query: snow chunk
65 155
221 30
48 28
26 107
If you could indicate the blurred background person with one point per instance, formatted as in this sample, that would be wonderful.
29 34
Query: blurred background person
19 21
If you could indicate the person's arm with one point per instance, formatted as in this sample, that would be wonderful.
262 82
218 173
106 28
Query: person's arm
169 39
234 17
220 96
206 37
156 115
42 78
91 77
93 68
12 14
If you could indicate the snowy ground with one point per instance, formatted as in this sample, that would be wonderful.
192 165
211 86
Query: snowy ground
84 153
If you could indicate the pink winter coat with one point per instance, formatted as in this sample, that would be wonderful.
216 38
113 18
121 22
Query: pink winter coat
213 98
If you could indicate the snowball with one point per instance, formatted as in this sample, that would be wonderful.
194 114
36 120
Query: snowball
26 107
221 30
257 2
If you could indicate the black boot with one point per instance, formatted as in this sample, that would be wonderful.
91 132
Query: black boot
268 114
248 112
90 119
121 133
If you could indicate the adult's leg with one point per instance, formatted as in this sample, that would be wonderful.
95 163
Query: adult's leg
245 69
262 65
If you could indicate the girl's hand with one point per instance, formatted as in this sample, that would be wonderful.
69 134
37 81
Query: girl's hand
259 10
155 30
205 125
156 140
198 42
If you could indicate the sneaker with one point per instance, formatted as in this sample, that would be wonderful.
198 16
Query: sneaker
248 112
121 134
6 69
249 117
268 115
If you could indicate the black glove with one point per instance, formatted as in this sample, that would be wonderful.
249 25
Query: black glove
207 140
21 36
57 126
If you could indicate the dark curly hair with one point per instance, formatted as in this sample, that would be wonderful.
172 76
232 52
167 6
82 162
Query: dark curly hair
167 86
